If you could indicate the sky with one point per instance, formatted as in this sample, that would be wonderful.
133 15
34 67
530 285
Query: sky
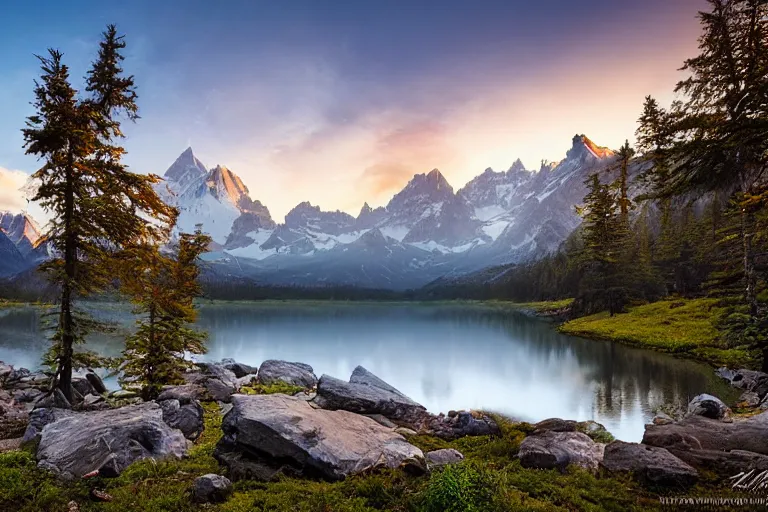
341 102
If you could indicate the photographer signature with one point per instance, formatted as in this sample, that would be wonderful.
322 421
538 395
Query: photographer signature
751 480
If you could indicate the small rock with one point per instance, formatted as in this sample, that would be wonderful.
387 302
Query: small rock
405 431
101 495
219 391
239 369
55 400
708 406
27 396
217 371
5 371
443 457
246 380
662 418
83 386
96 382
750 399
556 425
72 506
8 445
184 394
464 424
296 374
211 488
188 417
123 394
378 418
549 449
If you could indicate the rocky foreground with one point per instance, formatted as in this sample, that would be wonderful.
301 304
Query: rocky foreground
329 429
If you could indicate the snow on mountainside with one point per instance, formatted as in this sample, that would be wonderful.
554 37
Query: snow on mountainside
11 260
426 231
217 199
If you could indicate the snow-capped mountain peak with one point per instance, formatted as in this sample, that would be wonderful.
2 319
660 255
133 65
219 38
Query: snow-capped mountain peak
215 199
186 169
21 229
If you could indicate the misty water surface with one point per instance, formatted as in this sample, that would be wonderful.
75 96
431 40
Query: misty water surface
443 356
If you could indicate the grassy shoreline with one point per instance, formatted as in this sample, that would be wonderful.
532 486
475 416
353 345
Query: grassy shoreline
681 327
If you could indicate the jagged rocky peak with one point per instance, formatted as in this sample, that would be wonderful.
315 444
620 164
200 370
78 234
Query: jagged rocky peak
365 210
369 217
583 148
186 168
21 229
304 215
517 166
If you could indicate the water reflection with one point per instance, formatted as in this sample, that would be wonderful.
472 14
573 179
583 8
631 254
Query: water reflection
444 356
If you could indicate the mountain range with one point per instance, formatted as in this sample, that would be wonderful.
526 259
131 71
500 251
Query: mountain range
427 231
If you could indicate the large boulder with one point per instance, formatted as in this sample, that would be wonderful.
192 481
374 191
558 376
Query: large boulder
549 449
187 417
211 488
367 394
650 465
269 434
700 433
708 406
296 374
77 443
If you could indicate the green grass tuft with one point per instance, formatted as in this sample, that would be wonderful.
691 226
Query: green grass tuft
271 389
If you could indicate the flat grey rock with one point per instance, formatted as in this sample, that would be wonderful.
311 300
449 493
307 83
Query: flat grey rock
296 374
269 434
77 443
549 449
650 465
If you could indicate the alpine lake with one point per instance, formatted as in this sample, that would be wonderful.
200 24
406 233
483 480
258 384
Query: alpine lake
443 355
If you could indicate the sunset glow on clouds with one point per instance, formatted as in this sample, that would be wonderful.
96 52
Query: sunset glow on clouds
343 105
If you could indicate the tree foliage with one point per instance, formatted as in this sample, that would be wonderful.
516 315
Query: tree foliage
162 287
96 204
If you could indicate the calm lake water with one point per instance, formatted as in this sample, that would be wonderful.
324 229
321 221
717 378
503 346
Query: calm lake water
443 356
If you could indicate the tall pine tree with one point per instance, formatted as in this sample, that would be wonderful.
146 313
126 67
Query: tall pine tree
95 203
721 124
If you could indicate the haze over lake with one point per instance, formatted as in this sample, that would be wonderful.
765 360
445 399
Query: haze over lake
444 356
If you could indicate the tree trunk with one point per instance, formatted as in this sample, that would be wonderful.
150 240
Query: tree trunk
70 267
750 277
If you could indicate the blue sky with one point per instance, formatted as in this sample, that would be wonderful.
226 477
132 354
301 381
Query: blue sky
342 102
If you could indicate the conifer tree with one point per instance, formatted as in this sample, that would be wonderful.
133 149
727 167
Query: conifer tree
625 155
604 236
95 203
163 288
720 126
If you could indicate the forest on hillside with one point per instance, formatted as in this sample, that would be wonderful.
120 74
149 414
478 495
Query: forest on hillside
700 226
